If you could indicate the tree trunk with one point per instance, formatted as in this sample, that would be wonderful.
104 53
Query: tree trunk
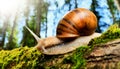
9 46
93 7
76 5
38 17
4 29
112 9
46 25
70 5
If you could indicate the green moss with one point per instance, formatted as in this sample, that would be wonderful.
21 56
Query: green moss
20 58
77 59
74 60
112 33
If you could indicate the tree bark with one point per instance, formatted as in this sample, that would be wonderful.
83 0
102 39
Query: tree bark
105 56
4 29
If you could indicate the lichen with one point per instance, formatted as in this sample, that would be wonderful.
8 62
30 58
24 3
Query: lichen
112 33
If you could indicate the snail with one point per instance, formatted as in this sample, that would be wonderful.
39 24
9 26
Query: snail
75 29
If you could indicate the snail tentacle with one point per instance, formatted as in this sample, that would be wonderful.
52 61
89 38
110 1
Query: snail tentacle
35 36
38 40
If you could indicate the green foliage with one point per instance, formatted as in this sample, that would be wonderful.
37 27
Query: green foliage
12 38
112 6
112 33
20 58
113 9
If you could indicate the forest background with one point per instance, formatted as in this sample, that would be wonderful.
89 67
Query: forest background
42 17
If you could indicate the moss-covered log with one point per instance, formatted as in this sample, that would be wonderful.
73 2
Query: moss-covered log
101 53
105 56
106 50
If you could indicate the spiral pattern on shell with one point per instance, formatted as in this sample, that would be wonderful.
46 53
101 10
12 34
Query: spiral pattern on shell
76 23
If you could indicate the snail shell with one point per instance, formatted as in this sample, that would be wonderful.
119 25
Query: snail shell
76 23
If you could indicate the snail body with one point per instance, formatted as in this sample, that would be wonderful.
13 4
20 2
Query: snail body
75 27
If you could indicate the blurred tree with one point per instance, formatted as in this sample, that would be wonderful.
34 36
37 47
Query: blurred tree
27 10
102 11
117 3
112 9
34 22
46 23
41 9
93 8
68 2
38 11
0 38
76 6
4 30
28 39
3 34
12 37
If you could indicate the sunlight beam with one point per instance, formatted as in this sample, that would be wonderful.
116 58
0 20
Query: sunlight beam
9 6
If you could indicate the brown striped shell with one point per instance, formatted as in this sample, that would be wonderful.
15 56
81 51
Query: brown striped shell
78 22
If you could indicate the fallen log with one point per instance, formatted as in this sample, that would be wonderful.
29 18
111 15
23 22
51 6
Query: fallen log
105 56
